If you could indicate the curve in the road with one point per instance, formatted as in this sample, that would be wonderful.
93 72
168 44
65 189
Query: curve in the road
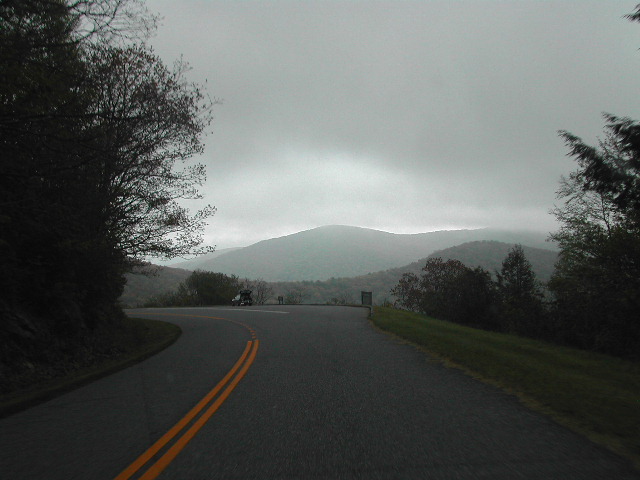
241 367
327 397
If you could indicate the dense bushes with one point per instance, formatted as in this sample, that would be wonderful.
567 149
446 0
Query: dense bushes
200 288
452 291
596 285
590 302
210 288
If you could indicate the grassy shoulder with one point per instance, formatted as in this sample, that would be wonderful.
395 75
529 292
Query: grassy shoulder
595 395
137 340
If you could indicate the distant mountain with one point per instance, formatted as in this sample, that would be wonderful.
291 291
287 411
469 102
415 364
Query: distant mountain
201 262
490 255
486 254
342 251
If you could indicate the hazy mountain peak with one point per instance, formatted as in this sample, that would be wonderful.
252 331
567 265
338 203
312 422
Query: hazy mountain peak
345 251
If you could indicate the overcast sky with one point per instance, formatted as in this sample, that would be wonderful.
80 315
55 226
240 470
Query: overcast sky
403 116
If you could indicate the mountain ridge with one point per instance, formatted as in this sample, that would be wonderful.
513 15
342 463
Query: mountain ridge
345 251
487 254
195 263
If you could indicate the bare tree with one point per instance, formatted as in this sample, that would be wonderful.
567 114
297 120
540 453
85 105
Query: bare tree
95 133
263 291
295 295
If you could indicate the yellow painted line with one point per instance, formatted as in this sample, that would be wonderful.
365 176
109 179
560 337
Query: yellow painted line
162 463
167 437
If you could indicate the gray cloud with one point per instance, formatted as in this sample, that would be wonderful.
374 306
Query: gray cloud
403 116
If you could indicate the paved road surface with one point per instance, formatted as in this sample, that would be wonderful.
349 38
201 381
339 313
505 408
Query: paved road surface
327 397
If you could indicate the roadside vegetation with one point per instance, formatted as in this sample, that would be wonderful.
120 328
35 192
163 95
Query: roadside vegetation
594 394
57 372
569 347
592 300
210 288
96 134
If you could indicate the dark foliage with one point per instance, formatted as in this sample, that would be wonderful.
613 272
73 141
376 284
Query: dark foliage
597 280
91 128
521 309
595 289
596 284
200 288
449 290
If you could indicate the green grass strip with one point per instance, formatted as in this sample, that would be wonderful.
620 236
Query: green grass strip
593 394
139 339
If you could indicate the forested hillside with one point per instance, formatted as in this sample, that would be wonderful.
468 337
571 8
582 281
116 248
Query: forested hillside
344 251
486 254
490 254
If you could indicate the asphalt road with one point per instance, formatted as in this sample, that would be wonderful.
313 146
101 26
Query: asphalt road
326 397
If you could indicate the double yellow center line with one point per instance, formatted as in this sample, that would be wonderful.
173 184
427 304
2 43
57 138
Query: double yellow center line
241 367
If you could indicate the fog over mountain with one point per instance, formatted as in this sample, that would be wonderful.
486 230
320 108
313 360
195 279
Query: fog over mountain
339 249
487 254
344 251
404 116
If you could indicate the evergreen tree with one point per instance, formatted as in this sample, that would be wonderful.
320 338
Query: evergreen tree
520 294
596 284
